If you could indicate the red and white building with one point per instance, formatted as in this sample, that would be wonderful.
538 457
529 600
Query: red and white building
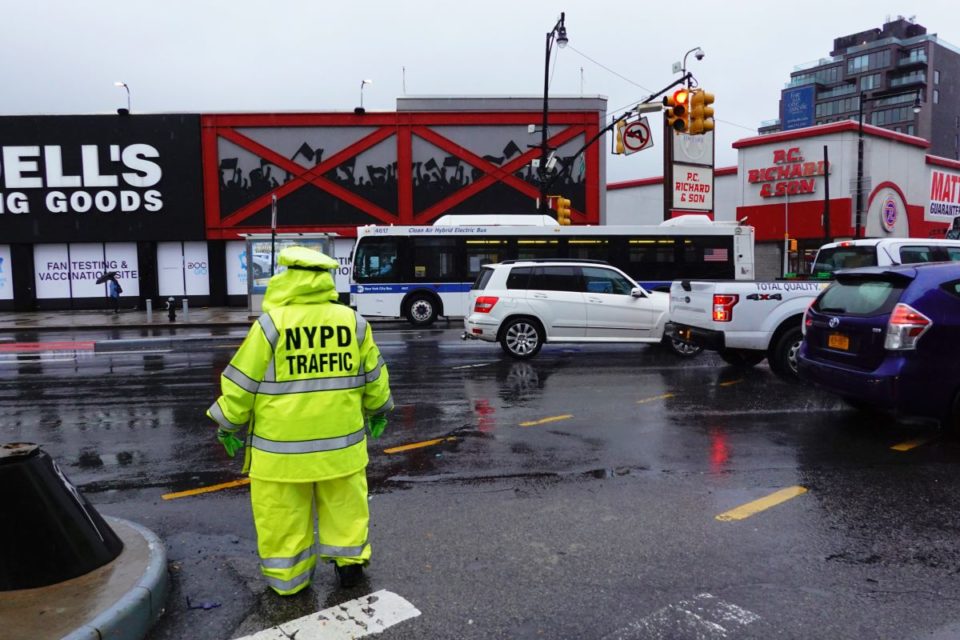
780 187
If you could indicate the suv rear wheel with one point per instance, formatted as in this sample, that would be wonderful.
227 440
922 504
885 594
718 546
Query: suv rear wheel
681 348
521 338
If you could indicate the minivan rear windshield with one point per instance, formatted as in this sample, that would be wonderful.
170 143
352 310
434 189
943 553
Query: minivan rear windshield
860 297
836 258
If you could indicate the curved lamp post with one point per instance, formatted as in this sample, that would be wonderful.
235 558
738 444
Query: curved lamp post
558 34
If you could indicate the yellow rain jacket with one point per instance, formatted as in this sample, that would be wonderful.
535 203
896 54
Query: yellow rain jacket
305 378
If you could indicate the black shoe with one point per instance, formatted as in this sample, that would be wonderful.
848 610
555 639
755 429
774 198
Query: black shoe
349 575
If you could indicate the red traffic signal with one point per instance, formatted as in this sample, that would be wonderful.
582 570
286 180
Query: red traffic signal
678 110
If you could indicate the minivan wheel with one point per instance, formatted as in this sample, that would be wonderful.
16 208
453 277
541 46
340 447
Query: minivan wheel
521 338
783 355
681 348
421 311
743 358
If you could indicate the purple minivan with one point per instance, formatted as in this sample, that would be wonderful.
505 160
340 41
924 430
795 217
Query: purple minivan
888 338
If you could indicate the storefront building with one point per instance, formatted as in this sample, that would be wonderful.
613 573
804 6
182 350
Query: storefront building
802 185
165 200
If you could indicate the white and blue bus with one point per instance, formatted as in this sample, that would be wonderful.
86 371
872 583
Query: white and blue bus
422 272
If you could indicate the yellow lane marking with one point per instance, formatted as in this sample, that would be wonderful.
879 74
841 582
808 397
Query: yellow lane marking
533 423
210 489
910 444
730 382
418 445
655 398
751 508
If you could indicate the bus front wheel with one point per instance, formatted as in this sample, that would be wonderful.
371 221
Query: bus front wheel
422 310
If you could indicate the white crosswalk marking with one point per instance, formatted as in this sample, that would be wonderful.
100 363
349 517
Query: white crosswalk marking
704 617
356 618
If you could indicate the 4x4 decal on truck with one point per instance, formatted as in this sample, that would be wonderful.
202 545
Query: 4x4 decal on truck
764 296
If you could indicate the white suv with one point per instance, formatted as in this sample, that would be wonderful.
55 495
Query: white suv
523 303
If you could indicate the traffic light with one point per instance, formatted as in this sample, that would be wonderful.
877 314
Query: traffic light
563 210
701 113
677 110
618 143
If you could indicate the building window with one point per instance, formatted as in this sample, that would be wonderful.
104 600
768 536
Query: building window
910 129
936 96
936 77
869 82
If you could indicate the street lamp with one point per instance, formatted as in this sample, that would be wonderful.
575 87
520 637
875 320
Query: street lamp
119 83
858 226
558 33
363 83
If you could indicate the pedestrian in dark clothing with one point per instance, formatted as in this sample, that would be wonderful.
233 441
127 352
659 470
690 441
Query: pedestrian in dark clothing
114 290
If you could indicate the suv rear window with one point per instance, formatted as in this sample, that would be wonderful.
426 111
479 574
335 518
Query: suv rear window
836 258
859 297
482 279
519 277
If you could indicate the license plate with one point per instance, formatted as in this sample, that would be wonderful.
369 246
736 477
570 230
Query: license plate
838 341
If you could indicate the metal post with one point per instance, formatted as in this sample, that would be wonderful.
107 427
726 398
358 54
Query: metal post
544 134
826 193
149 310
186 310
786 234
859 213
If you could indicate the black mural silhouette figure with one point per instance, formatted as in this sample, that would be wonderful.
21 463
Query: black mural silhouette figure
433 180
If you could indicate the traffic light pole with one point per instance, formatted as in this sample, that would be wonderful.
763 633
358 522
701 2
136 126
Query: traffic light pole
567 164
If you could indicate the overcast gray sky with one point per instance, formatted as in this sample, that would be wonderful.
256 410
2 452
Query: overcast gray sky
284 55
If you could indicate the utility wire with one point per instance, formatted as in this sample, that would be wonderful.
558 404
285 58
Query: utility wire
606 68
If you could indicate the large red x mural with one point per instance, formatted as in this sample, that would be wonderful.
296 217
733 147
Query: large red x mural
566 127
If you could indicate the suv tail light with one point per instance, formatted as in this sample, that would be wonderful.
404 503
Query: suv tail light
484 304
723 306
905 327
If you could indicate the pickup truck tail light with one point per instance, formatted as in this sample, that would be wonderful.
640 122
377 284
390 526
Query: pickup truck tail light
484 304
905 327
723 306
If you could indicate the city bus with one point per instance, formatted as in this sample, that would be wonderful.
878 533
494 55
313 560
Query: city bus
422 272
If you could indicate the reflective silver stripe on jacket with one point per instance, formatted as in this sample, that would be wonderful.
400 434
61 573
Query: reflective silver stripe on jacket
287 563
308 386
386 406
269 330
240 379
307 446
373 375
221 419
341 552
289 585
361 329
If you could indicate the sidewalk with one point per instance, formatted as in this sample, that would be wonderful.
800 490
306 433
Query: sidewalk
204 317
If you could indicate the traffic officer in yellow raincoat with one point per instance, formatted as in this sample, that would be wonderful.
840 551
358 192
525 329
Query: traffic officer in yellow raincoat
305 382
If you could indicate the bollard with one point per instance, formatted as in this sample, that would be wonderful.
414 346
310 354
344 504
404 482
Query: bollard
171 309
50 532
149 310
186 310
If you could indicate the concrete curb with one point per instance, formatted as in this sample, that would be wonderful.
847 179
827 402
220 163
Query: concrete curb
131 617
146 344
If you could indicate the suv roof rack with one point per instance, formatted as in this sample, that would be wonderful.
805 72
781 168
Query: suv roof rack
584 260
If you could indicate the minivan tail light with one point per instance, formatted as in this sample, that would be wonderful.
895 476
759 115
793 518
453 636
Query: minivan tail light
905 327
807 318
484 304
723 306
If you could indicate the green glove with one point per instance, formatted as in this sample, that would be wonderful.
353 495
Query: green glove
229 441
377 424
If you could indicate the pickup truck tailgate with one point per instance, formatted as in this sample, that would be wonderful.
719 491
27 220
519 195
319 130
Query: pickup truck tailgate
692 303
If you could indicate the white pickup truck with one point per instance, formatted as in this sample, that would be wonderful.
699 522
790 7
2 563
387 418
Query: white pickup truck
746 322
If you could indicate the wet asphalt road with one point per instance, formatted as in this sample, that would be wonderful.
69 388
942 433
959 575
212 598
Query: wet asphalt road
572 496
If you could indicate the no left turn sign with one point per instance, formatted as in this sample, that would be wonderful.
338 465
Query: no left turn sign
636 136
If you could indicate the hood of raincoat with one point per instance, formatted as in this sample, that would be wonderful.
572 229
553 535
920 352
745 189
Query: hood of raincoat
308 279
